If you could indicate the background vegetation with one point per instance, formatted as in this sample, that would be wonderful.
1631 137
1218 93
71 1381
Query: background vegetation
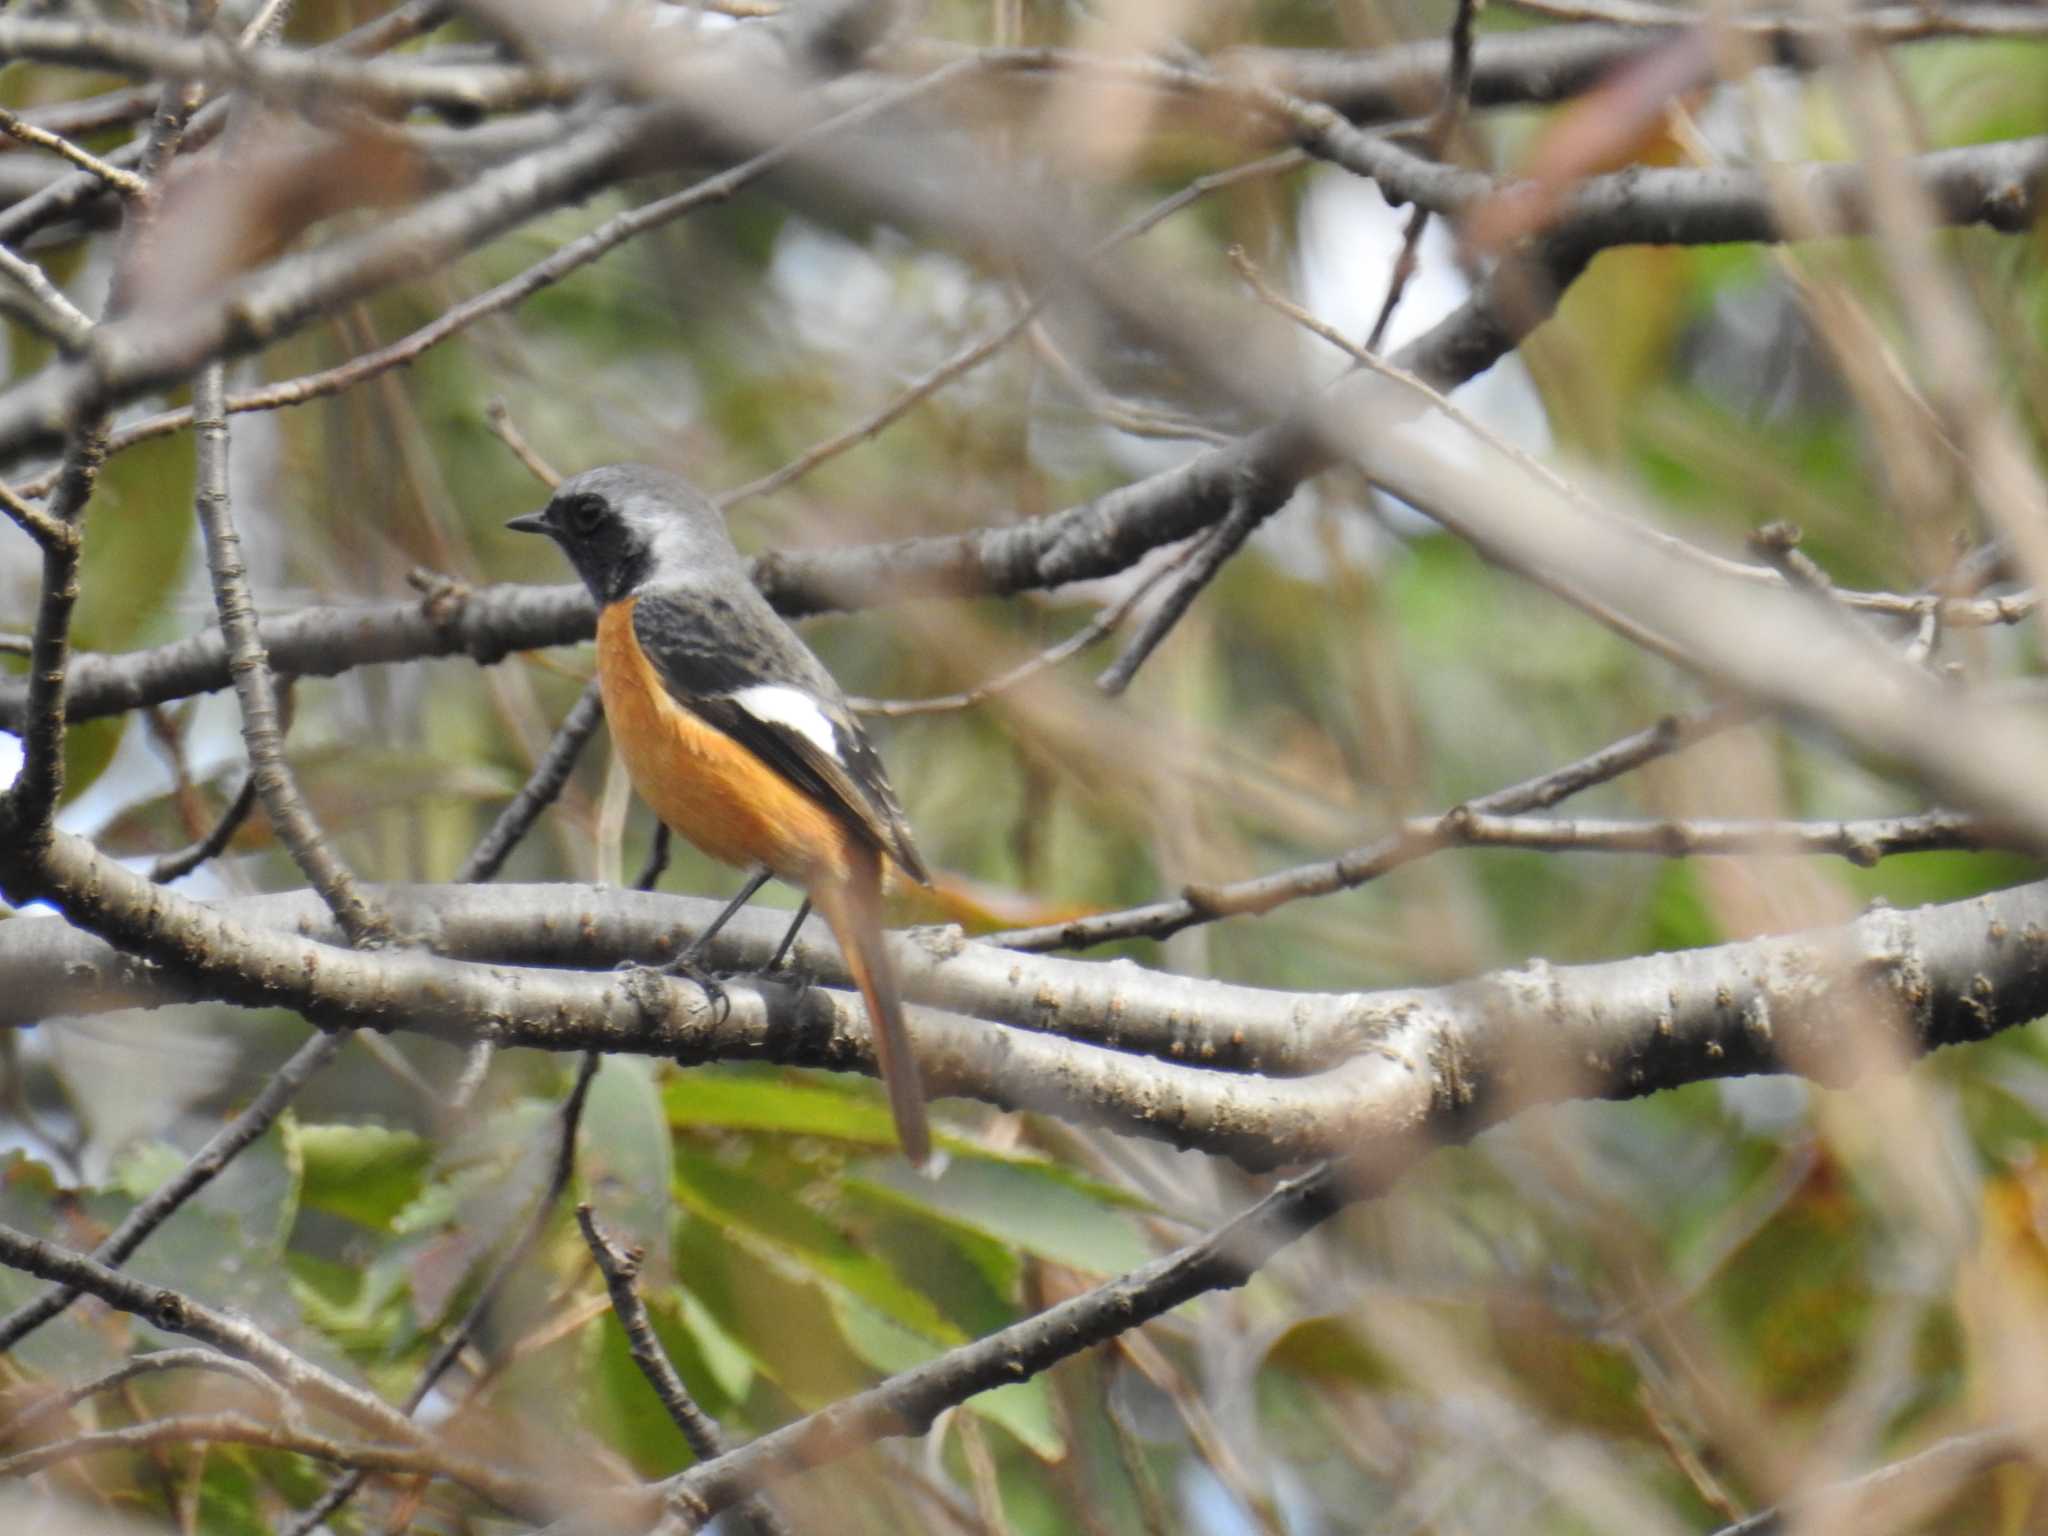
1662 1315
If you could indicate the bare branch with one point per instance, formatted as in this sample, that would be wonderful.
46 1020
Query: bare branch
287 75
560 1170
1361 865
1552 64
135 1228
1104 624
620 1267
175 866
1442 129
177 1313
906 1404
1374 1060
124 182
499 420
1923 1480
142 1365
56 315
512 1491
539 790
255 686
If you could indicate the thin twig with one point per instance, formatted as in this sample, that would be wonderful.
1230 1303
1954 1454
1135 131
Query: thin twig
509 1490
76 193
221 1148
178 1313
620 1267
1947 1464
64 322
255 684
33 520
144 1365
127 183
32 801
576 254
539 790
975 353
1558 587
1436 137
1152 1507
1104 624
175 866
1249 506
657 858
1102 406
1201 904
457 1339
498 417
907 1403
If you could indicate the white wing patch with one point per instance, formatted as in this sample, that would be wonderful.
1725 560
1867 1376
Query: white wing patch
793 709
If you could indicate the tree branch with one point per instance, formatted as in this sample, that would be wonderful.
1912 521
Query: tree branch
290 76
255 687
221 1148
561 1168
906 1404
539 791
1415 839
620 1267
508 1490
1374 1062
1552 64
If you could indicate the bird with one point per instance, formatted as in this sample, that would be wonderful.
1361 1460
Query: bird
734 732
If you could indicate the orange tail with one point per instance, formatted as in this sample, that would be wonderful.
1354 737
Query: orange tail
853 911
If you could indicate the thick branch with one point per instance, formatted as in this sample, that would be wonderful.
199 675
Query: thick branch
1378 1063
287 73
1551 64
1094 539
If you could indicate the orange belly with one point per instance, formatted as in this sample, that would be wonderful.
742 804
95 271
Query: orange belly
704 785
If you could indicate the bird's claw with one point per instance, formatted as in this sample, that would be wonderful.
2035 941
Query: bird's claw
643 982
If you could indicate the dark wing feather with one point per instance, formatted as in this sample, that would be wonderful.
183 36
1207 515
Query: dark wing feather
706 649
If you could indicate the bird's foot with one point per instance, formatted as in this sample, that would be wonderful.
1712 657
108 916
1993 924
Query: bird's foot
643 982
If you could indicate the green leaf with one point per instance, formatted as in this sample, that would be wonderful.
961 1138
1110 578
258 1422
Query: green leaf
361 1308
32 1201
1330 1348
625 1158
1024 1408
790 1106
1021 1407
145 1168
776 1314
365 1173
1035 1206
137 530
973 1277
259 1189
724 1356
778 1227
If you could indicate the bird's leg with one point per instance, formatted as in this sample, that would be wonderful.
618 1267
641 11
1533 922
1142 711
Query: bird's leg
789 939
685 964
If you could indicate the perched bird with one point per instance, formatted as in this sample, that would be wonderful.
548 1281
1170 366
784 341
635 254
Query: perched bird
734 732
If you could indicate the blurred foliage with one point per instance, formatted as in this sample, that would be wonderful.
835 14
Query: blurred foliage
1643 1316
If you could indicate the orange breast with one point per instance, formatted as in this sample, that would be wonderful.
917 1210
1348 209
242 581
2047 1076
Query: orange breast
704 785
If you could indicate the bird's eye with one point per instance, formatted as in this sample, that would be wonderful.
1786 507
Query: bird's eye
584 515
